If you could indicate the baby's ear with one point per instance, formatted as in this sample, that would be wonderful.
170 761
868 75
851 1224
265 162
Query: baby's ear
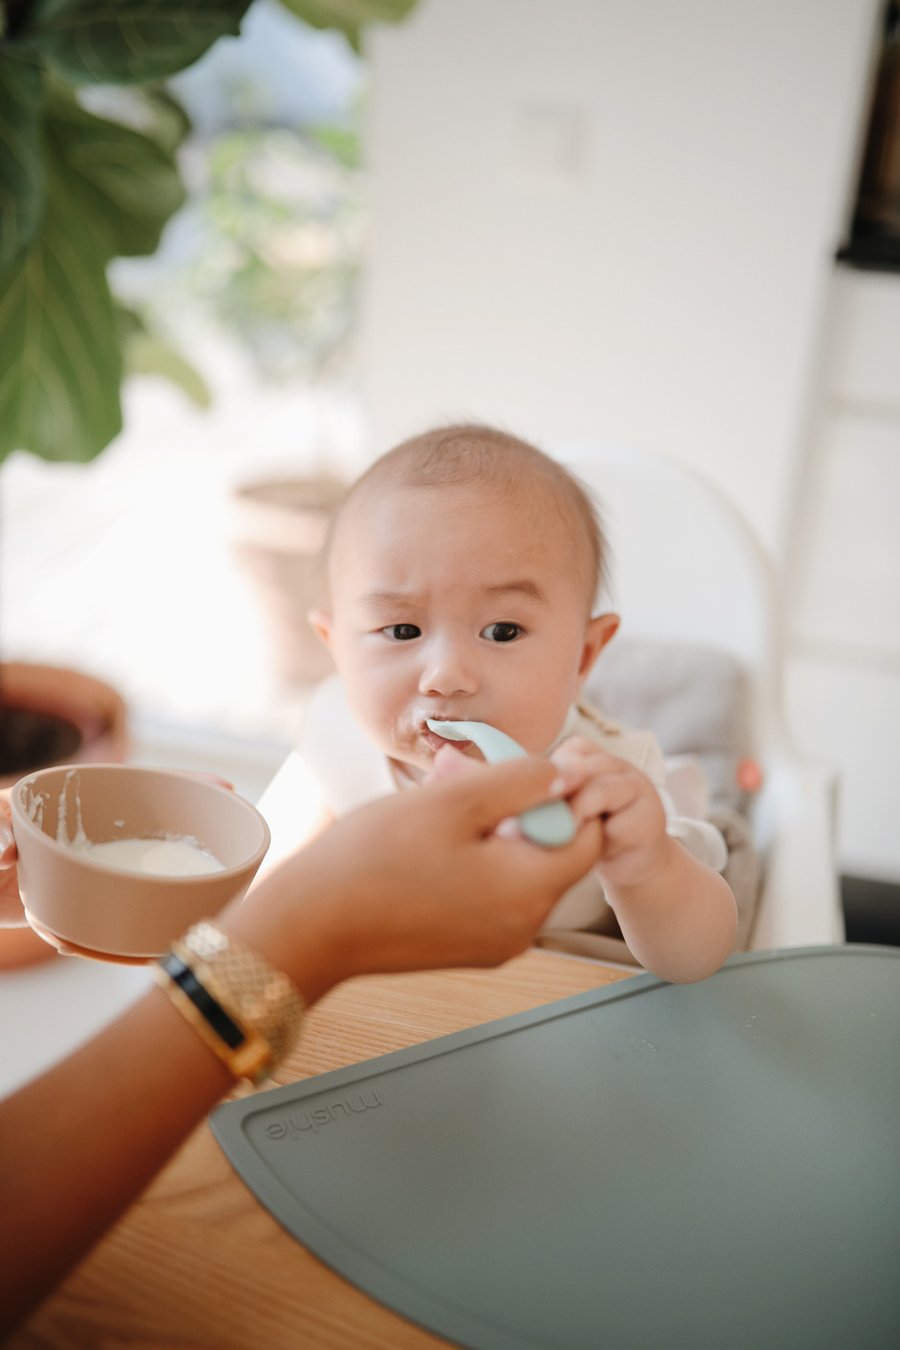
600 630
321 624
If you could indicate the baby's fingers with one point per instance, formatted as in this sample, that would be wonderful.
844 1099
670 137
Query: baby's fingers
603 797
577 761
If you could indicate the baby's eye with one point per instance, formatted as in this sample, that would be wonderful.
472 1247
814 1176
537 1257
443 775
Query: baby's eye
502 632
402 632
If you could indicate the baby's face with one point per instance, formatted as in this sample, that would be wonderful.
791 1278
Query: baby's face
447 604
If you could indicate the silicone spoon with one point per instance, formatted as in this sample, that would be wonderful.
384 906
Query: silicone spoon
552 823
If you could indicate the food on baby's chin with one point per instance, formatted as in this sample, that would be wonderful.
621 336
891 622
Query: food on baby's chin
173 856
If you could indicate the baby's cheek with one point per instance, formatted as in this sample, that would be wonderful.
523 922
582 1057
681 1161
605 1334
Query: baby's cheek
531 721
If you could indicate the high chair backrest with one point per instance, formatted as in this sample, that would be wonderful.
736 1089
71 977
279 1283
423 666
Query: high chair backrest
688 573
685 565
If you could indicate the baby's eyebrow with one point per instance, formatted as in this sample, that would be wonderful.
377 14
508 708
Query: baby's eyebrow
523 587
388 599
409 599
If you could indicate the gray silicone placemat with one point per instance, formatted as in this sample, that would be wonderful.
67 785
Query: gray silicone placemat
647 1165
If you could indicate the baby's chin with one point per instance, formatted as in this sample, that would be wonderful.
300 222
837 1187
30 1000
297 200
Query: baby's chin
411 758
415 772
418 763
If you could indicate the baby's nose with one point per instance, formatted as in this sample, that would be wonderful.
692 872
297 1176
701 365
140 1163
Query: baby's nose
448 670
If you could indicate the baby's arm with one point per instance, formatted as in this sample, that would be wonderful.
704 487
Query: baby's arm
677 915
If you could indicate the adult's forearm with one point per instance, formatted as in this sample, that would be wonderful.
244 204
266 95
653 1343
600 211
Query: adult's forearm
393 886
82 1141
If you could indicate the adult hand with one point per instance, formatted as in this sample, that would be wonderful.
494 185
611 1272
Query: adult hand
416 881
11 913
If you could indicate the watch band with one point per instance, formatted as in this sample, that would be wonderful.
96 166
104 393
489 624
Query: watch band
248 1012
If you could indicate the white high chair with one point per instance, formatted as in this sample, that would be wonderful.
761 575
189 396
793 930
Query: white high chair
687 568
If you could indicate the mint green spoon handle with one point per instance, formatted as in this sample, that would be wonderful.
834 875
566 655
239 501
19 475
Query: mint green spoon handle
552 823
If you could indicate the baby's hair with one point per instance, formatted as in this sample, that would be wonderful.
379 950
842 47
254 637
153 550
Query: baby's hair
459 455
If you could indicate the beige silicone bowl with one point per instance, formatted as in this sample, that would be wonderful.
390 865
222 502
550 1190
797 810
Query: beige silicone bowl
78 905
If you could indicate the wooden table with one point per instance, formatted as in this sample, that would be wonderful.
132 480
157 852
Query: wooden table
197 1261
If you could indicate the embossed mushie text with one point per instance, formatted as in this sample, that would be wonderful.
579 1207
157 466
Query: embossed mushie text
295 1126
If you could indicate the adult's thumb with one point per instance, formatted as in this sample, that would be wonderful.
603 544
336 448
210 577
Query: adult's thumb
491 792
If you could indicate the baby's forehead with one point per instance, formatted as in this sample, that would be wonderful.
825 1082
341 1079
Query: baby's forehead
527 511
372 508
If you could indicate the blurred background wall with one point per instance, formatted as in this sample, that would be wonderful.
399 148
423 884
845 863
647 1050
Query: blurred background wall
599 219
579 218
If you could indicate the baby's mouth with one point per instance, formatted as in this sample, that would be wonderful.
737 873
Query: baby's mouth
435 741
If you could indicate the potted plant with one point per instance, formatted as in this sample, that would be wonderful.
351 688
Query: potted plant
79 188
277 230
279 527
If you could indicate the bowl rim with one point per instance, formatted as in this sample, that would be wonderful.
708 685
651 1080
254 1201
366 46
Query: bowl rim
20 820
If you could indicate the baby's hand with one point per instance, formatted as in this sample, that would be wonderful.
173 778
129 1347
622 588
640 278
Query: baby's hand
629 807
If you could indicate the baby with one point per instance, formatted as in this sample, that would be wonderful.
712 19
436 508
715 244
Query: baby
462 571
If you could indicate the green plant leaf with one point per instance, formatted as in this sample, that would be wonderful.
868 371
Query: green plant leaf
129 321
167 122
21 171
109 192
146 354
342 143
349 16
127 41
151 110
128 184
60 352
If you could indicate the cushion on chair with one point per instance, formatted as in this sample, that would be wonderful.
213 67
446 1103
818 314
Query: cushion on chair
743 871
695 699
